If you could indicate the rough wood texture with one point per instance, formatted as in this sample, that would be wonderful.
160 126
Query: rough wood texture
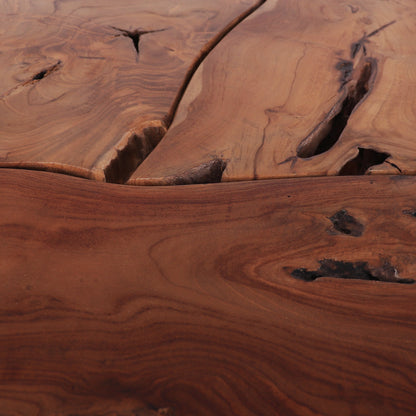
192 299
86 86
300 88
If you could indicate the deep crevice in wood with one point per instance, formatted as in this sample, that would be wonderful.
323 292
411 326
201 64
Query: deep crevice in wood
138 147
351 270
329 131
363 161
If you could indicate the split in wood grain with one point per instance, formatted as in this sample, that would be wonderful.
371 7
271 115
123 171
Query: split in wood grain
35 78
356 87
135 35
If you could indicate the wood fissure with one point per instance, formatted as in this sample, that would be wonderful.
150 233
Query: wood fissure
329 131
365 159
135 35
351 270
35 78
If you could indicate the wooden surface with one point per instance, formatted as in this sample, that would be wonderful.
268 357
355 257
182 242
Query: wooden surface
289 297
86 87
195 299
297 89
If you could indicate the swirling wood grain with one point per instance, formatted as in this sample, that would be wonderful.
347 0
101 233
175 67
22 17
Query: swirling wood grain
115 299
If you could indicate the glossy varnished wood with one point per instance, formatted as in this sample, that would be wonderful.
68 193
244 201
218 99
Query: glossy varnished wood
86 86
122 298
266 97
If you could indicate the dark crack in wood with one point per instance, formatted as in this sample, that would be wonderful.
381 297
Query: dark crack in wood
34 79
328 132
135 35
44 73
363 161
351 270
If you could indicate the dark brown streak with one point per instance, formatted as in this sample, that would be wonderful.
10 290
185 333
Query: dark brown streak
356 46
374 32
259 149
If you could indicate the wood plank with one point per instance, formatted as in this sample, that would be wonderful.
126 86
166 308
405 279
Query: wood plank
192 299
86 87
297 90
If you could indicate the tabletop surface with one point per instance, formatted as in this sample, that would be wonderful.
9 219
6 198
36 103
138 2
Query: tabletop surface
207 208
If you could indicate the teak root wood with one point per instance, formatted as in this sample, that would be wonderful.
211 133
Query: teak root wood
300 88
86 88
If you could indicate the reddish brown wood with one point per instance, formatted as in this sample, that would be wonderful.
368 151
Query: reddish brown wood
115 298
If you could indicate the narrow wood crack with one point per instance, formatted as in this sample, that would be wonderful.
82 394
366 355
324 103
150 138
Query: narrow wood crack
35 78
135 35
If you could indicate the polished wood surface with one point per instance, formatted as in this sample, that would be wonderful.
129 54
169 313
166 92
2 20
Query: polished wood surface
300 88
292 296
196 299
87 87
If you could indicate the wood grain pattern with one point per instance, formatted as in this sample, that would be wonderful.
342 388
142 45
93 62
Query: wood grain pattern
297 90
121 298
86 86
